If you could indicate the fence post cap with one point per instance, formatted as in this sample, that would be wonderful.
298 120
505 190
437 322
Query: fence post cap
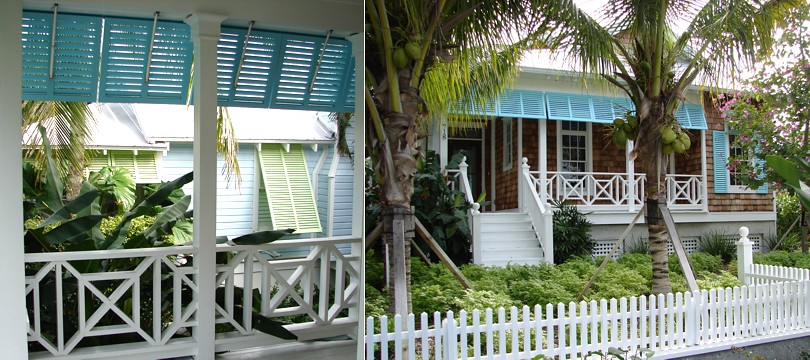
744 231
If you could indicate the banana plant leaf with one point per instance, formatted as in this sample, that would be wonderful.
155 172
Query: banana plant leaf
262 237
145 207
70 230
164 221
259 322
81 202
788 171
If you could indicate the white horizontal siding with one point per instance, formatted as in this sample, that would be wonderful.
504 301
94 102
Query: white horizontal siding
234 206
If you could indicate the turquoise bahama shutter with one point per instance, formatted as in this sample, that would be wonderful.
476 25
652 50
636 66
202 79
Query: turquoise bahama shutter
720 158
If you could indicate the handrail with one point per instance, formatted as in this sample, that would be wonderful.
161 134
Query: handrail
474 213
540 215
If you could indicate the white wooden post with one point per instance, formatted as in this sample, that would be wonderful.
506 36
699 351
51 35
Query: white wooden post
548 236
476 233
462 170
745 256
522 193
13 315
704 200
631 178
358 189
542 145
205 32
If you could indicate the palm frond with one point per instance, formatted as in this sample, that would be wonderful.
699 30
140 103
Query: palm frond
69 128
228 147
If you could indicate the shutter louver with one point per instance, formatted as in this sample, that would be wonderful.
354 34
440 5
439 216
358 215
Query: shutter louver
142 167
288 189
720 156
125 57
75 61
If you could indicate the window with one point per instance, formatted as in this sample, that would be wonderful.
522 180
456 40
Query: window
507 144
735 176
574 148
727 177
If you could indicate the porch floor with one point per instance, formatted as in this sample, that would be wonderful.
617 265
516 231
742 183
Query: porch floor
338 349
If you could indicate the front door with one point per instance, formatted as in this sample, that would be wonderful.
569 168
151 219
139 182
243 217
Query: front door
472 150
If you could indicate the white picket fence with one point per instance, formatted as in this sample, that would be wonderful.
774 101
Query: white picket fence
775 306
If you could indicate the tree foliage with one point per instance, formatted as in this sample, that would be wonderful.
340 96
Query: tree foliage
772 114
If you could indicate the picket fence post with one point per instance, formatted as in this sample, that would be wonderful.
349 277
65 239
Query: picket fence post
745 256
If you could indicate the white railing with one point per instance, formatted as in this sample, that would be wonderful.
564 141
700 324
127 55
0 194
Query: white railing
460 178
594 188
321 285
773 308
540 215
615 191
68 304
152 304
685 191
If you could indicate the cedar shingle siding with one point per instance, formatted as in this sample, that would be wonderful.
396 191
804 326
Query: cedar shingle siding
729 202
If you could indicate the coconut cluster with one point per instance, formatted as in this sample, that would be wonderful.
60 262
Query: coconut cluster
410 52
674 138
623 129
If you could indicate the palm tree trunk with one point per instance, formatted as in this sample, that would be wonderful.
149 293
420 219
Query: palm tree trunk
73 182
398 233
655 168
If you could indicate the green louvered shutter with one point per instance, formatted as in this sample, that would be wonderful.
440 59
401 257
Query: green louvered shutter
288 188
142 167
720 156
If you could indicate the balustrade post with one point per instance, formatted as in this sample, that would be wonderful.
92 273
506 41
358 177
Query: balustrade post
522 193
745 256
462 173
631 178
476 233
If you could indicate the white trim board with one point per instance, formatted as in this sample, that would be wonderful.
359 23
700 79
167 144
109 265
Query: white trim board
685 217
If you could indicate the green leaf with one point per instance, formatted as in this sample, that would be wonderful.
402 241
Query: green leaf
169 215
72 228
786 169
78 204
271 327
262 237
145 207
183 232
54 185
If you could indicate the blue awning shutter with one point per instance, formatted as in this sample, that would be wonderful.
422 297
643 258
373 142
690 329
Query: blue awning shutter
576 107
75 60
126 54
278 70
720 158
252 87
691 116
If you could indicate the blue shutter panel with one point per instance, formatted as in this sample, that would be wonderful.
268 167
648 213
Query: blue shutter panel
720 156
75 61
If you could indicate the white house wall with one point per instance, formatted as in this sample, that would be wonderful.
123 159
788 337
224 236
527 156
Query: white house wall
234 206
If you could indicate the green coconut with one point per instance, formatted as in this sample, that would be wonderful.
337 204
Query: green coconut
684 138
618 122
633 121
678 146
668 135
667 149
620 138
400 58
413 50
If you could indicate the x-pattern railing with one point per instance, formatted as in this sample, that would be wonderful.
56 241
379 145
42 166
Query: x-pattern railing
320 285
595 189
98 303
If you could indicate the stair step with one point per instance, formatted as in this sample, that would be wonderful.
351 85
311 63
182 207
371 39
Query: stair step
507 238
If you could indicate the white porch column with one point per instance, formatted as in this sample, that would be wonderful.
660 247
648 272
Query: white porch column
359 188
631 177
542 148
13 315
438 140
205 32
704 201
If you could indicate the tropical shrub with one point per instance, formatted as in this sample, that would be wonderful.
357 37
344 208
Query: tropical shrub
788 209
572 233
717 243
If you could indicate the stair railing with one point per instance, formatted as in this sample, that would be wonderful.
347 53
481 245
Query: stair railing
462 180
529 201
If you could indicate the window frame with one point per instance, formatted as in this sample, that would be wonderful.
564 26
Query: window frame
731 188
588 132
508 144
